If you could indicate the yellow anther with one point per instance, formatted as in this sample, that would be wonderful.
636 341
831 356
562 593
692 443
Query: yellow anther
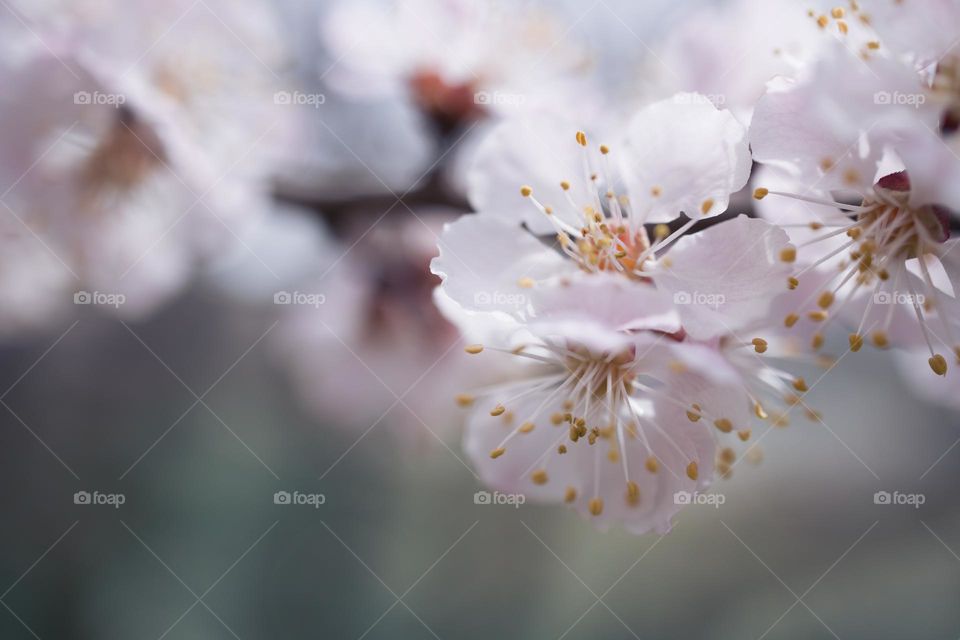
652 464
498 410
761 193
856 342
613 455
880 339
823 21
825 300
633 493
656 192
800 385
692 470
556 419
792 283
816 341
474 349
788 254
723 424
526 283
496 453
728 455
581 138
873 44
562 449
818 315
790 320
539 476
837 12
596 506
565 185
526 427
604 149
694 415
570 495
939 364
661 231
758 411
759 345
706 205
842 27
743 434
526 191
464 399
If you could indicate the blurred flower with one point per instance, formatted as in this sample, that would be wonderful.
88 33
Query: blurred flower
455 59
365 344
131 152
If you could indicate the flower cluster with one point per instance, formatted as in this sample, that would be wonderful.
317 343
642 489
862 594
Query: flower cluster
634 308
634 255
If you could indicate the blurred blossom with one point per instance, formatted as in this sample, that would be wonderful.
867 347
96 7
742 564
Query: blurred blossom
729 52
132 153
364 344
458 63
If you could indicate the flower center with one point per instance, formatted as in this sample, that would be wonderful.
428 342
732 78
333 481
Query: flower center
122 159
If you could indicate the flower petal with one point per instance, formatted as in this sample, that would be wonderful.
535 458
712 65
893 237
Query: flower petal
684 155
724 278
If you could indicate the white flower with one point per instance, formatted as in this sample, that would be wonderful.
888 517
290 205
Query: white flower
869 172
612 421
680 155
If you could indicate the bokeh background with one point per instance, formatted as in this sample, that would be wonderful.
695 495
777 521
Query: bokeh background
197 417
